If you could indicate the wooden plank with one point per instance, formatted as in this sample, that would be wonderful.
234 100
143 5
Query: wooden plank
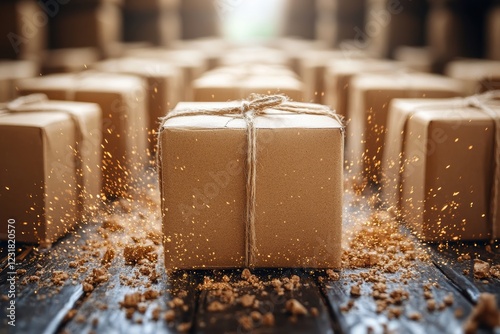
271 301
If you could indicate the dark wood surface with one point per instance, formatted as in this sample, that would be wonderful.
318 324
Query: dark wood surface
42 307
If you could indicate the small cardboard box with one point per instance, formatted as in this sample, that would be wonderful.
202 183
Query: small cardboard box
299 188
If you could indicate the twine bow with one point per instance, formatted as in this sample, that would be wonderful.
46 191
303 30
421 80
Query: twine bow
257 105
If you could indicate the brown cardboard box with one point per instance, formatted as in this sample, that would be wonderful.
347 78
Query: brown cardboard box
415 58
192 63
235 83
88 122
369 100
213 48
254 56
439 168
163 82
298 220
313 66
478 75
293 48
10 72
125 120
150 5
68 60
339 74
23 29
87 26
33 191
493 34
159 27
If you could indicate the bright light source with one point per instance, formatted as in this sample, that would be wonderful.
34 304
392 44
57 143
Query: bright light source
250 20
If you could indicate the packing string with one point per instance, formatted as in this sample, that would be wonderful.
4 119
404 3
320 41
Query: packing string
256 105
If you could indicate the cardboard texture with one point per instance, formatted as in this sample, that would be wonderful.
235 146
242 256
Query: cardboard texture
478 75
369 99
439 168
23 27
313 66
163 82
339 74
68 60
235 83
192 63
299 191
33 189
125 120
10 72
96 26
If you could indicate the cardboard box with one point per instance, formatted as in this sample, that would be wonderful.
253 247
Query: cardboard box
313 66
125 120
368 102
69 60
293 48
339 74
235 83
163 84
34 193
298 218
191 62
158 27
23 27
87 119
254 56
415 58
96 26
478 75
213 48
10 72
150 5
439 168
493 34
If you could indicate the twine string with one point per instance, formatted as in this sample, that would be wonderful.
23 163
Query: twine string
256 105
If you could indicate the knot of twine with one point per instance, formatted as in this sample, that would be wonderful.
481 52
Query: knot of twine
256 105
22 104
481 102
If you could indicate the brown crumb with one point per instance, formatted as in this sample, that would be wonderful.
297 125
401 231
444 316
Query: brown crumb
246 323
59 277
247 300
87 287
448 299
20 272
314 312
131 300
112 224
108 256
216 306
355 290
495 271
268 319
169 316
245 274
415 316
184 327
155 314
334 276
256 315
129 313
481 269
431 305
484 315
295 307
135 253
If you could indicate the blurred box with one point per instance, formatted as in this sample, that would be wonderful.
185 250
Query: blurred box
193 64
370 97
493 33
239 82
163 82
10 72
158 27
125 120
68 60
50 155
98 25
199 18
254 55
213 48
313 64
339 74
150 5
416 58
478 75
439 168
23 27
294 47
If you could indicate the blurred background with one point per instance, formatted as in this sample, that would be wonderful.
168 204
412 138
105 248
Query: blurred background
428 33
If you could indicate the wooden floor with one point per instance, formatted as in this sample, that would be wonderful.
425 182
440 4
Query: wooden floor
42 307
